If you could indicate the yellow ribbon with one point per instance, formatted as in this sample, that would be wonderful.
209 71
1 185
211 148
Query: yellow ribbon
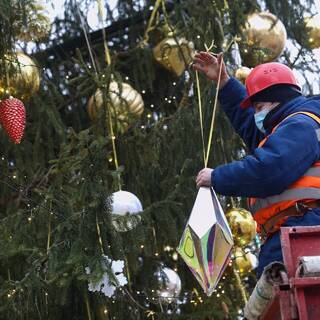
201 118
49 229
108 61
99 235
150 22
101 18
213 115
86 300
206 152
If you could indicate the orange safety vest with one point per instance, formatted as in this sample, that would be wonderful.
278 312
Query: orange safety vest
306 188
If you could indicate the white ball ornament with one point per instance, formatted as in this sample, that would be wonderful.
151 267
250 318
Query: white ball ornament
125 210
168 285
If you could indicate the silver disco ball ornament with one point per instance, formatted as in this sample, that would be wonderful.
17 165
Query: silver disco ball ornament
125 209
168 285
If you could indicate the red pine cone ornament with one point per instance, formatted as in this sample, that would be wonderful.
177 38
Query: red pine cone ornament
13 118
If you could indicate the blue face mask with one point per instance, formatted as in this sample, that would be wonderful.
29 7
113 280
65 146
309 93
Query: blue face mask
259 117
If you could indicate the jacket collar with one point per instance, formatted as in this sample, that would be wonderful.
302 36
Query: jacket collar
280 112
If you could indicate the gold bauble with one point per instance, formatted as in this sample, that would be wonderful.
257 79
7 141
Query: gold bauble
313 25
242 73
263 39
24 78
244 261
126 104
242 225
175 54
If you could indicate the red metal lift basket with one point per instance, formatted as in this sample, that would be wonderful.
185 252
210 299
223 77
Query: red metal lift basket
297 297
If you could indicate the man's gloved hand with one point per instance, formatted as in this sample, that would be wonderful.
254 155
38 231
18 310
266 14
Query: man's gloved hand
204 178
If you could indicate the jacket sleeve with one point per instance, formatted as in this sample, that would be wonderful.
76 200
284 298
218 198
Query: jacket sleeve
286 156
230 97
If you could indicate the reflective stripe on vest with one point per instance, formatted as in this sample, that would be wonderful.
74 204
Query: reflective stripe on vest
305 188
291 194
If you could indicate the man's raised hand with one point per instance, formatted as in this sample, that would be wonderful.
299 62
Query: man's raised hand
209 63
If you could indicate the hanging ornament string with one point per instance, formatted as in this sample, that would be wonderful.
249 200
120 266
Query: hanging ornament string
201 118
101 14
86 300
200 110
113 137
96 72
99 235
213 114
150 22
49 228
87 40
102 17
206 152
7 76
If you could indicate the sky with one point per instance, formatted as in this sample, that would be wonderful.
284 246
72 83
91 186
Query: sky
56 9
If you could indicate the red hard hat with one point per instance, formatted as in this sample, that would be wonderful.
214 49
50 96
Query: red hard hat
266 75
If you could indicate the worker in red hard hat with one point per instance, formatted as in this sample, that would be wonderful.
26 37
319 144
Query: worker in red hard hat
281 176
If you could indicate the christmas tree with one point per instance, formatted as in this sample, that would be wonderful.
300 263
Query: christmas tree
112 107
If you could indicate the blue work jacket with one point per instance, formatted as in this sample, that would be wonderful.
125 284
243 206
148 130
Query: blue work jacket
287 154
